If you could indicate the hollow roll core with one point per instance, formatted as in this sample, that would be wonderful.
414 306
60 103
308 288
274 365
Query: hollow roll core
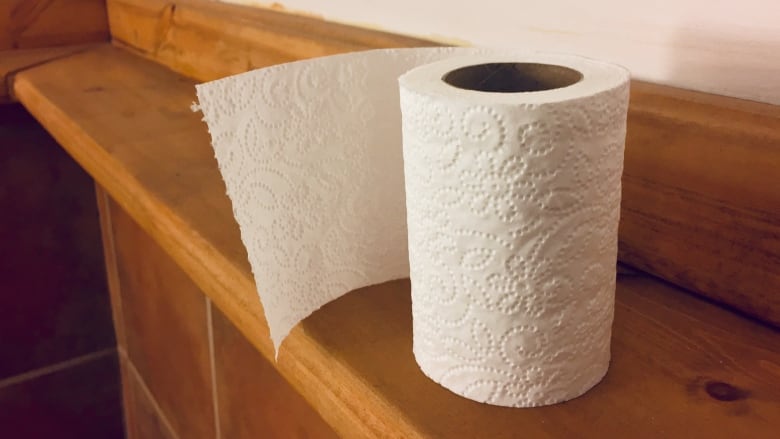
512 77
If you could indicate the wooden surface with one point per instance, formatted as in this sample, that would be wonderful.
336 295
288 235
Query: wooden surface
209 40
701 204
701 195
681 366
27 24
165 326
12 61
140 411
35 31
254 400
186 370
112 270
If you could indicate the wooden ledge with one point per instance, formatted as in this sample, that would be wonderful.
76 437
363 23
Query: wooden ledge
13 61
209 40
680 365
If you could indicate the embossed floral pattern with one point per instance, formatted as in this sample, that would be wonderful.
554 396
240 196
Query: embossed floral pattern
512 220
512 243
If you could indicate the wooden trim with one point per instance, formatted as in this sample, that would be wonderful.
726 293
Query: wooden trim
36 31
701 204
112 272
208 40
12 61
701 196
30 24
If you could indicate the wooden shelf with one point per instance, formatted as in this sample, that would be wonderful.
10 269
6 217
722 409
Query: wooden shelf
12 61
681 366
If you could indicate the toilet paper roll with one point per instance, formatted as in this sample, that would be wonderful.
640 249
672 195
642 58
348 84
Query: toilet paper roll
508 178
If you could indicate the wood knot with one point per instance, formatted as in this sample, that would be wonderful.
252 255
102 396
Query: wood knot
725 391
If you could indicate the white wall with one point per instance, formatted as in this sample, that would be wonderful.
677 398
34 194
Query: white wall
729 47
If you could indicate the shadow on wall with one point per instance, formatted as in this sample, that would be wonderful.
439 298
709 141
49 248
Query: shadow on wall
745 64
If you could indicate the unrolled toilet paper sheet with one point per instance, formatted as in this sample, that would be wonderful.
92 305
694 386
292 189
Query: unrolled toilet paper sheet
511 201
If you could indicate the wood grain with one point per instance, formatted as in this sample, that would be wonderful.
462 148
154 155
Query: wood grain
209 40
701 195
12 61
27 24
701 204
142 419
166 328
680 364
112 271
254 400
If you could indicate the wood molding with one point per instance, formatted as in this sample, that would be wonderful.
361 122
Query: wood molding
208 40
701 197
36 31
30 24
12 61
679 364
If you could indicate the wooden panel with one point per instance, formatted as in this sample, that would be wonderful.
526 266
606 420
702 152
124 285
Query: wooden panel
209 40
680 364
142 421
701 197
128 399
53 300
254 400
26 24
12 61
165 329
112 272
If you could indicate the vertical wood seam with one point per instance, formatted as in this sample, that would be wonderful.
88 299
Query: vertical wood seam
129 415
112 266
153 401
212 360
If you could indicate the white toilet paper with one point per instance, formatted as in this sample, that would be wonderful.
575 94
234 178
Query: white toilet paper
511 200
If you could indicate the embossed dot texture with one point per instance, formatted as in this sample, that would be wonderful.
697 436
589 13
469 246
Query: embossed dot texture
502 208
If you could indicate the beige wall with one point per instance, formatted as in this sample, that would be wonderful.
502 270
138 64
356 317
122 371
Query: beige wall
720 46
